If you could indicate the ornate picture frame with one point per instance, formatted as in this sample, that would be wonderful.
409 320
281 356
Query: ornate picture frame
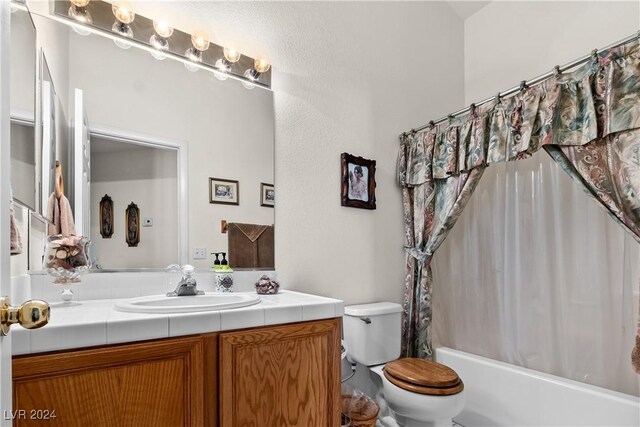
106 217
224 191
358 184
267 195
132 225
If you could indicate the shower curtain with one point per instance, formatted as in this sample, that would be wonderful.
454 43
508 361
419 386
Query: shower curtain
536 274
588 121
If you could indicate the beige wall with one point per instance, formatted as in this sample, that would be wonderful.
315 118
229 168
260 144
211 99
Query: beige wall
508 41
347 77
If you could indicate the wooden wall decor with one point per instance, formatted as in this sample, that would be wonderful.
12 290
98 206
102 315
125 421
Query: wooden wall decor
106 217
358 184
132 223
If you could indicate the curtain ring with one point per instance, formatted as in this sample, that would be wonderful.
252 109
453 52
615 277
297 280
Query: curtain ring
472 110
523 86
431 124
595 57
558 71
498 98
413 132
450 117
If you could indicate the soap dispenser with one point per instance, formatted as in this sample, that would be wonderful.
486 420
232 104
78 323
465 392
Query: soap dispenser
224 273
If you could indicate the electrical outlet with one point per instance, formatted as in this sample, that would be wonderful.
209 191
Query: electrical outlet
199 253
147 222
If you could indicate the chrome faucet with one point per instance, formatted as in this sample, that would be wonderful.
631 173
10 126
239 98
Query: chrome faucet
187 286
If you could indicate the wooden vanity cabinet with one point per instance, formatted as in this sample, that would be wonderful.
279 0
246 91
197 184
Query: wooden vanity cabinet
275 376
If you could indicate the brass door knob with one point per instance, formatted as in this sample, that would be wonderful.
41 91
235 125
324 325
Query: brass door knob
32 314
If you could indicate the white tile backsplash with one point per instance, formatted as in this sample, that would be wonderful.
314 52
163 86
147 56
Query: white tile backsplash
108 285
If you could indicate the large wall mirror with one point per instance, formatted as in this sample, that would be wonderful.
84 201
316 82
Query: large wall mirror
151 134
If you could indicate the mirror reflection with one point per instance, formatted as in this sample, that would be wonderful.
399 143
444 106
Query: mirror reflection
152 134
22 96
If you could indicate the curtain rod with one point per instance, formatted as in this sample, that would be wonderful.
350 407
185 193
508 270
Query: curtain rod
556 70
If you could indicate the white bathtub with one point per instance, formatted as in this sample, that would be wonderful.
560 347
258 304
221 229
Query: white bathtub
500 394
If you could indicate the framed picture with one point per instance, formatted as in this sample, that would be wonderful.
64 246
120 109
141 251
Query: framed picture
224 191
267 195
106 217
358 182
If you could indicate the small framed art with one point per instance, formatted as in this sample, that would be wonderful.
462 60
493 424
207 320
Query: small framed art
224 191
358 182
267 195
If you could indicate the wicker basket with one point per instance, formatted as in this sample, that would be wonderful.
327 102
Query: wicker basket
362 410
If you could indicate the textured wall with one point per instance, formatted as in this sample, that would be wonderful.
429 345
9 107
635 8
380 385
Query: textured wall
347 77
532 37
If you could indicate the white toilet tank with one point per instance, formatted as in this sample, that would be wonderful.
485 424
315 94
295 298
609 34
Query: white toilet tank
372 332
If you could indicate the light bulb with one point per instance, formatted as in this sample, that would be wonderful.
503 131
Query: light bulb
261 66
193 55
160 44
123 13
231 55
199 41
125 31
79 3
251 74
220 76
80 14
163 29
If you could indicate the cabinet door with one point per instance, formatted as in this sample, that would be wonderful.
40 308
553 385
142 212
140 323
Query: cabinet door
157 383
281 376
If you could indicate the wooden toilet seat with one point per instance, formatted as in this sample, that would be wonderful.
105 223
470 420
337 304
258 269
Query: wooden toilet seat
423 376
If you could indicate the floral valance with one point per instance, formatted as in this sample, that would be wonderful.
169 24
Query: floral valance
572 109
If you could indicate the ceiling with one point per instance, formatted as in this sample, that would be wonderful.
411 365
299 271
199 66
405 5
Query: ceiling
465 9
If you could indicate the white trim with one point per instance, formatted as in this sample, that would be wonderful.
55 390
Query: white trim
161 142
5 198
21 116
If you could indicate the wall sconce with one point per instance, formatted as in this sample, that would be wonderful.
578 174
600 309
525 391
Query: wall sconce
124 16
159 39
259 66
194 53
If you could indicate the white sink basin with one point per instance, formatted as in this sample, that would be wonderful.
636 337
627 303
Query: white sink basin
210 301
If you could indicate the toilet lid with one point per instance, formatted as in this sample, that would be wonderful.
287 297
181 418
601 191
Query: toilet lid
423 376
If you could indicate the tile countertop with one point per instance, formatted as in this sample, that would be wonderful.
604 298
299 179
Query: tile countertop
96 322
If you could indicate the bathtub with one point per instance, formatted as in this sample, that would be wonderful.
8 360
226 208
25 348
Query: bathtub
500 394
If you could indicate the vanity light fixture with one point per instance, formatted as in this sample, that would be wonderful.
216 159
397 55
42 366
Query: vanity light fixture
159 40
199 44
224 64
78 12
124 16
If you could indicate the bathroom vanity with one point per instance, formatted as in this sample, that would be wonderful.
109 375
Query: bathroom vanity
276 363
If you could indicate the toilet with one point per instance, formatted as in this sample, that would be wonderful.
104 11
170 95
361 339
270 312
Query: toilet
418 393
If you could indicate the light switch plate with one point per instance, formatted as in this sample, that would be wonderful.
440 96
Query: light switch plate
199 253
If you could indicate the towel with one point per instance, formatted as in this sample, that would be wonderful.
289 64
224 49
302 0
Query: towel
16 238
251 246
61 217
